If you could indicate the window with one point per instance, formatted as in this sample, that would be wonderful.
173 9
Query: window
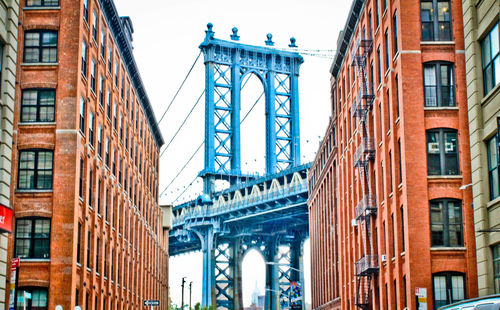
105 261
107 152
108 108
449 287
91 190
82 115
38 3
89 238
446 223
80 186
99 141
393 236
490 52
40 46
435 16
379 58
439 85
396 81
115 106
38 105
377 13
38 299
395 30
442 152
92 75
110 59
403 244
32 238
97 255
103 44
86 11
35 169
390 171
91 128
400 163
79 246
99 193
84 59
388 101
101 91
94 26
116 73
493 167
496 267
387 56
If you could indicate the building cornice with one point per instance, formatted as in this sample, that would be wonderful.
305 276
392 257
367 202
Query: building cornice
125 48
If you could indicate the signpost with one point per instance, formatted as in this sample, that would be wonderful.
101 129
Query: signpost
421 293
13 281
151 303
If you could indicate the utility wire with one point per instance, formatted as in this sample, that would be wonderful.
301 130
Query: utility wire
183 122
182 169
180 87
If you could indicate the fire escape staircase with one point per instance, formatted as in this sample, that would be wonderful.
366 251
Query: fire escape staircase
367 265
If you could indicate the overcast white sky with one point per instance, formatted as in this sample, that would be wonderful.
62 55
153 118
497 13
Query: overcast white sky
166 39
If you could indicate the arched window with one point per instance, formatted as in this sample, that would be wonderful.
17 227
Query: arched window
442 152
446 223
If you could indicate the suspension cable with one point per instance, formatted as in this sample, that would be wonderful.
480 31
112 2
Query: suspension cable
199 147
180 87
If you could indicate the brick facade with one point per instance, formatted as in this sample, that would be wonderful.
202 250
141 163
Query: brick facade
400 121
108 248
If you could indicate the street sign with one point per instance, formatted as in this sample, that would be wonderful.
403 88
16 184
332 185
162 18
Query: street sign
421 293
151 303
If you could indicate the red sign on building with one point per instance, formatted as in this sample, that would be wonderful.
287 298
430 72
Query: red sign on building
5 219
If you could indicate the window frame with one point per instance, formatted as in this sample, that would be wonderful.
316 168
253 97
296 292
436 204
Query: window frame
448 203
496 268
38 105
493 143
84 58
442 151
30 289
449 288
437 65
435 22
32 238
491 63
40 46
42 4
35 169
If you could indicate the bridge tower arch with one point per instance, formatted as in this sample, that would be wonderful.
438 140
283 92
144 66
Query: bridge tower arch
226 63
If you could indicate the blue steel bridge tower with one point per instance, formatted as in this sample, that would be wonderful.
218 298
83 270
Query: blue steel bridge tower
268 213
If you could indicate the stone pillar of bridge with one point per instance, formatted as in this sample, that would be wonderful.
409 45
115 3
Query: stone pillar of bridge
207 238
297 265
273 291
237 258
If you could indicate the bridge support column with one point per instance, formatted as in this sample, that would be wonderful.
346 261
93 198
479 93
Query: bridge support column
207 238
237 284
297 264
273 291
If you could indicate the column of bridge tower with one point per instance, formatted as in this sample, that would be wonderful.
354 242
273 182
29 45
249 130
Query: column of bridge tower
367 265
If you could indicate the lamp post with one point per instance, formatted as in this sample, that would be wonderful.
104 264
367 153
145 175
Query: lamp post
190 285
182 296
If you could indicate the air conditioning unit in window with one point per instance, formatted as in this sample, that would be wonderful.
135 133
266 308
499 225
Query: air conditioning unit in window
383 258
354 223
433 147
449 147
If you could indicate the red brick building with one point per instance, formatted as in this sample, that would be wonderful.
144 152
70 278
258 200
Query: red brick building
88 228
390 211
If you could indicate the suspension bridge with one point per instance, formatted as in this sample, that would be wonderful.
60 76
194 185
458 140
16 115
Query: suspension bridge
265 212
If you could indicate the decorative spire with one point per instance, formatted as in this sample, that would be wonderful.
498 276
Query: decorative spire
209 33
235 36
292 42
269 40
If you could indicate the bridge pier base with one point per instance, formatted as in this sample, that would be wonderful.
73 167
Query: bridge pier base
207 238
273 291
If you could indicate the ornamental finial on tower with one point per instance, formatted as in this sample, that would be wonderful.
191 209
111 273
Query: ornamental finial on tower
269 40
209 33
292 42
235 36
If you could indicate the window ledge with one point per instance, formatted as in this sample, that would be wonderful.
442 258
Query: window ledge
33 191
35 260
437 42
36 123
402 254
493 202
440 108
39 64
41 8
437 249
452 177
493 92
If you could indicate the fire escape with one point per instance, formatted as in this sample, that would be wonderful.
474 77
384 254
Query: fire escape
367 265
